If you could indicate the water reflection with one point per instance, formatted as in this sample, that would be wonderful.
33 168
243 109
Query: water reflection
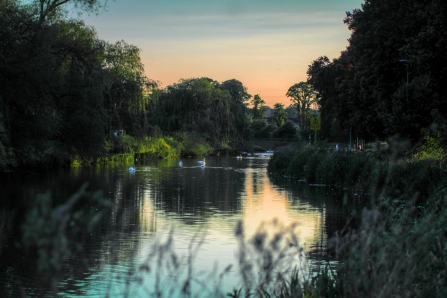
161 196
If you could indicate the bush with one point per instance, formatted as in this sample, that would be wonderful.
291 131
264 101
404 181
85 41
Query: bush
257 126
431 149
287 130
267 131
394 179
193 144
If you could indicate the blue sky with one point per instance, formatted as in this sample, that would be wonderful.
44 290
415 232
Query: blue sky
267 45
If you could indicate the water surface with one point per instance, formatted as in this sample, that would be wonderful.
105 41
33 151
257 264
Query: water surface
199 207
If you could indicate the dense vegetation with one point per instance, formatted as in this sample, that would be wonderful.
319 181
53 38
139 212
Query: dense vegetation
201 106
391 78
64 91
396 246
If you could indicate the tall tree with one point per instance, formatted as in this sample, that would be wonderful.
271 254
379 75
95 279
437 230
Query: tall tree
52 9
325 76
280 115
129 90
237 90
302 96
258 109
383 35
201 105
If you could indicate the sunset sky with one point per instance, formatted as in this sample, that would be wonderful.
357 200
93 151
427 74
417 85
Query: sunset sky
265 44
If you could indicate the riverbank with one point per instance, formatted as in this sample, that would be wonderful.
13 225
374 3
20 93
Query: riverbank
399 248
127 149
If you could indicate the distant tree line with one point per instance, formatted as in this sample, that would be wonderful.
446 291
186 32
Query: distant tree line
391 79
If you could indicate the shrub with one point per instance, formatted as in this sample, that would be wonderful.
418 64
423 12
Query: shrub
287 130
193 144
431 148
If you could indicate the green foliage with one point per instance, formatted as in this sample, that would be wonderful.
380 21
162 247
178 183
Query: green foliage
193 144
258 109
237 90
302 96
257 128
266 260
287 130
62 90
397 252
394 179
161 147
128 90
431 148
390 79
280 116
203 107
267 131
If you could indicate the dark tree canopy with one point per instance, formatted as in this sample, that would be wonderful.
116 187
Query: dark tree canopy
63 90
204 106
258 110
280 116
368 82
302 96
237 90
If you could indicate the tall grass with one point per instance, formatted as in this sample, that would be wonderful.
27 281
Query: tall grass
400 246
398 251
366 173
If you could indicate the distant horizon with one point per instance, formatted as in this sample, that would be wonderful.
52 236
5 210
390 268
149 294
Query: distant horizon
267 46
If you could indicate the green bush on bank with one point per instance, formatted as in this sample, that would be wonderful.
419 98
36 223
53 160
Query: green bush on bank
127 148
369 173
193 144
161 147
341 169
120 149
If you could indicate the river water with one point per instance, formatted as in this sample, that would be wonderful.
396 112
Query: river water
198 208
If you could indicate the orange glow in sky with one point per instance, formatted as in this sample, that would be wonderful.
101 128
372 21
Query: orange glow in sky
266 45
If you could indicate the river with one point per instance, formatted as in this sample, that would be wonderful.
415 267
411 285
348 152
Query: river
198 208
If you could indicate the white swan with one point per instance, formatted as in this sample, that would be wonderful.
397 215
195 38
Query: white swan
132 169
202 163
180 164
